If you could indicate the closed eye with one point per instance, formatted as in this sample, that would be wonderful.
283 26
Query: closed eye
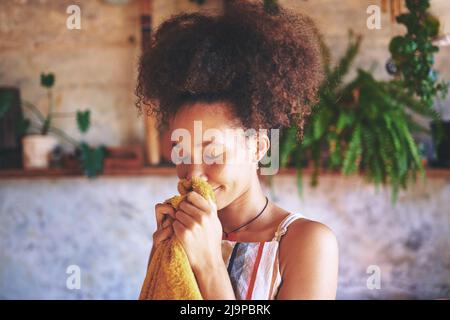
214 154
176 148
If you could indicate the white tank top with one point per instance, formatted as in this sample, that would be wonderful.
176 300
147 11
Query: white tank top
254 267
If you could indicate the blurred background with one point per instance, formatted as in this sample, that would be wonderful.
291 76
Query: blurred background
81 170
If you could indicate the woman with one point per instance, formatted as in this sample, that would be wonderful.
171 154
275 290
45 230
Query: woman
245 69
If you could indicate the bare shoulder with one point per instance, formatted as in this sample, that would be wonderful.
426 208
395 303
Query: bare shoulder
306 233
308 256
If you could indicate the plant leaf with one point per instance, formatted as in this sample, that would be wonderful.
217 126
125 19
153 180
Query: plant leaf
83 120
5 102
92 159
47 80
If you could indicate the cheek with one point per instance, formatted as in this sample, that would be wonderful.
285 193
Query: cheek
237 168
233 177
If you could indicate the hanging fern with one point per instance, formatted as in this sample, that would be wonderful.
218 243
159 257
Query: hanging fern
364 126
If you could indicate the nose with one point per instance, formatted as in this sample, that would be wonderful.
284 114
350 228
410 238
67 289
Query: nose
196 170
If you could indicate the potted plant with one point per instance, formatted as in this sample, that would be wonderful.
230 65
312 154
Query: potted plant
412 61
367 126
38 145
364 126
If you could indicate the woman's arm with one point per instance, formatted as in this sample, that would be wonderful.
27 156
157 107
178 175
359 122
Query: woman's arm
196 220
214 281
309 262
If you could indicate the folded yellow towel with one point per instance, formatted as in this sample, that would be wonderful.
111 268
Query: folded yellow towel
169 274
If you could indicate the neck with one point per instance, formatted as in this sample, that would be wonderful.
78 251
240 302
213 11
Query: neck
245 208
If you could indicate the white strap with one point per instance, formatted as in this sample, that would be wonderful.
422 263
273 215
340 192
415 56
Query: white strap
282 228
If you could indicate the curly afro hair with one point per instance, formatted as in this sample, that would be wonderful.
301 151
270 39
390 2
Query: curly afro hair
268 66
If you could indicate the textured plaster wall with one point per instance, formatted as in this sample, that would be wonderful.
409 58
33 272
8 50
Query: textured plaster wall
105 226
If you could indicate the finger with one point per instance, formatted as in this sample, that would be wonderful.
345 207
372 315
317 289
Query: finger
191 210
185 219
178 229
161 210
167 221
197 200
161 235
213 205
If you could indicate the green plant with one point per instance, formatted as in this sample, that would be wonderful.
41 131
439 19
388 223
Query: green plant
5 102
364 126
413 53
47 81
91 158
42 123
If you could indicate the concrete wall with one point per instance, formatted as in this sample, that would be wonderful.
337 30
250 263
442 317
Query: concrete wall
104 226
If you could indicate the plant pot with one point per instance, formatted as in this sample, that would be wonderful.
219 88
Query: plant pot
36 150
441 145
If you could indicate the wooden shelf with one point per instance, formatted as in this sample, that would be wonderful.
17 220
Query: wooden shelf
61 172
162 171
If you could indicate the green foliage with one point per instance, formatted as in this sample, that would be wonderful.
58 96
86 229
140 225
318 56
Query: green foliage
22 126
83 120
44 122
91 159
5 102
47 80
413 53
364 126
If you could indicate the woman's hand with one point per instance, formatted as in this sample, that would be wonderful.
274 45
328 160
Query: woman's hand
164 218
198 228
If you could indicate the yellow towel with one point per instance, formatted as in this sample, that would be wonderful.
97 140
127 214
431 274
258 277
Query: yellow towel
169 274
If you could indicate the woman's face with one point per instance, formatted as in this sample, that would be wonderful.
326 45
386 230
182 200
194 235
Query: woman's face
209 143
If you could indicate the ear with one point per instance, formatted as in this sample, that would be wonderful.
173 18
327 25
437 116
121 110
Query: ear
262 145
